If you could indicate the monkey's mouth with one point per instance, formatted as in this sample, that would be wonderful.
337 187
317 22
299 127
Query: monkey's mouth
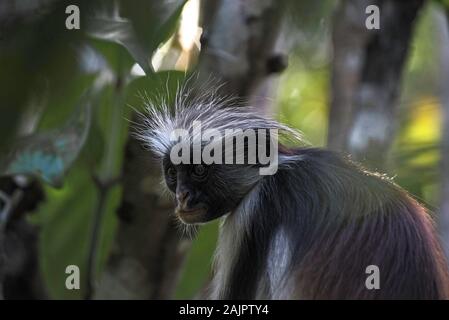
191 215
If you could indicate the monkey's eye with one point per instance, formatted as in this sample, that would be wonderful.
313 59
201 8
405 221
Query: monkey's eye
171 173
199 170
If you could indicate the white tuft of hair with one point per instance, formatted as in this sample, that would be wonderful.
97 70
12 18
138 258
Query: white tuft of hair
211 110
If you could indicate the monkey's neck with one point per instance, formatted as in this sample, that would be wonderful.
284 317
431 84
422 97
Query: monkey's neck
284 230
243 248
260 240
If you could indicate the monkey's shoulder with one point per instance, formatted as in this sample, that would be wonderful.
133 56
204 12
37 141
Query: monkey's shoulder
335 171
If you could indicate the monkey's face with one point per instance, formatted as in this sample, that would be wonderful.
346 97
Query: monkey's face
207 192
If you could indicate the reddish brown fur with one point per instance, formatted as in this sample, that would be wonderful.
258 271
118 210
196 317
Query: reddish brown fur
403 244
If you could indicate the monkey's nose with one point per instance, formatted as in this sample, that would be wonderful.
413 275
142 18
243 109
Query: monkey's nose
182 196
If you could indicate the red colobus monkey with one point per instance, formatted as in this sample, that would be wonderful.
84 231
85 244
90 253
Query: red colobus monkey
308 231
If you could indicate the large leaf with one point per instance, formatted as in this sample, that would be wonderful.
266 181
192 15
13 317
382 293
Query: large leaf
165 30
141 32
37 54
48 155
119 30
163 83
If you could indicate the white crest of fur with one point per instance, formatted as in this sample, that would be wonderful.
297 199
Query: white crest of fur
211 110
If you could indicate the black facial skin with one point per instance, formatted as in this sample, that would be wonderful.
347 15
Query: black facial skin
203 193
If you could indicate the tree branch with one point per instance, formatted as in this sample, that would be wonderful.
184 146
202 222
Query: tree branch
243 54
366 77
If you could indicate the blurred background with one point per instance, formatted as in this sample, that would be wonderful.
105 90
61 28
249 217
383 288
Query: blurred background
76 188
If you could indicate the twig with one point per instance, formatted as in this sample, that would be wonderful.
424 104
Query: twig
105 182
103 188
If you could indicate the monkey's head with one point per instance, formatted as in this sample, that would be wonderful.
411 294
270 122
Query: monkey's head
210 152
206 192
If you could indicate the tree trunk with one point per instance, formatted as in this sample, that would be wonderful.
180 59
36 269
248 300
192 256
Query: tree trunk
246 53
148 253
366 77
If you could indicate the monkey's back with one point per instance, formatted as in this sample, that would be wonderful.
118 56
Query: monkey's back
346 219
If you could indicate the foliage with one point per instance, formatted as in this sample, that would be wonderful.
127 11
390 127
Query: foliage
79 89
82 118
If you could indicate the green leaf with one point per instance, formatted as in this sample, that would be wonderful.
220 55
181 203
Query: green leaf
164 83
119 30
118 58
93 150
48 155
60 102
141 31
198 266
444 3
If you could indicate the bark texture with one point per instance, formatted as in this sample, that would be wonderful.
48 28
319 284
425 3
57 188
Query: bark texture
240 46
366 77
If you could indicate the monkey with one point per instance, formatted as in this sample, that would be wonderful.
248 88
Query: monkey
308 231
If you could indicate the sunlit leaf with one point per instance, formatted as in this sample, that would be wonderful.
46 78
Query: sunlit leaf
168 27
140 42
424 125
